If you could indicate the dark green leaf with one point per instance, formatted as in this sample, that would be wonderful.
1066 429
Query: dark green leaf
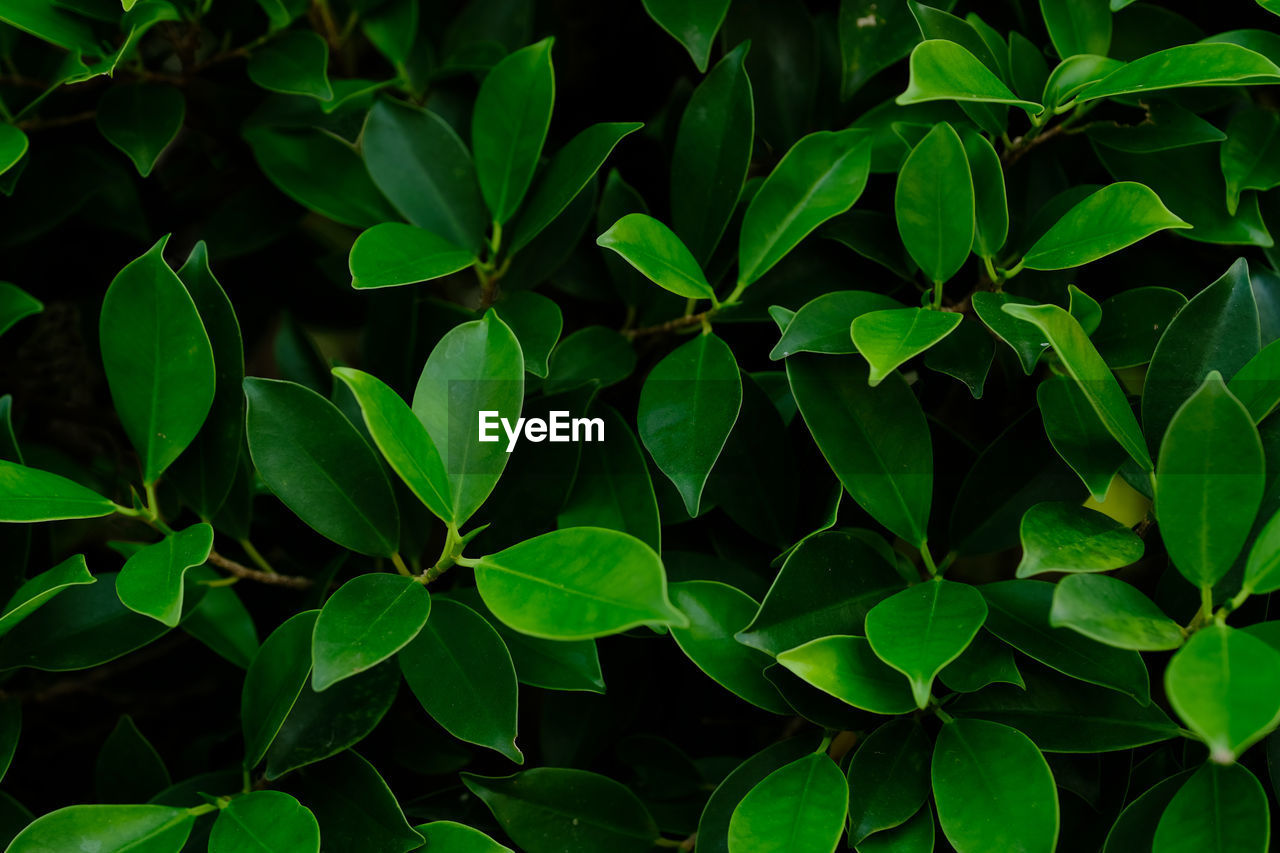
888 778
141 120
271 686
138 829
693 23
886 339
1112 612
295 63
934 203
265 822
1115 216
356 810
1078 26
1219 809
823 324
369 619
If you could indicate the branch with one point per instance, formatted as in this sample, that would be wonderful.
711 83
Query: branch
669 326
242 571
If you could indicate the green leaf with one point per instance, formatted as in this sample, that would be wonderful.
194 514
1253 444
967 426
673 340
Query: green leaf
713 825
712 153
1225 685
612 488
1219 809
1073 75
316 462
875 439
158 360
655 250
1217 330
1184 65
1257 384
34 593
569 171
986 661
425 170
1066 537
536 322
369 619
1250 154
716 612
275 679
1084 308
1018 613
873 36
1079 436
575 584
1025 340
151 581
693 23
993 789
594 354
922 629
392 253
321 172
294 63
849 670
827 584
107 828
942 70
1112 612
1092 376
446 836
1209 483
1078 26
1261 570
128 769
222 623
461 672
914 836
1116 216
509 125
559 810
355 808
688 406
821 176
15 303
1061 714
800 806
477 366
141 120
1132 323
29 494
888 778
990 205
822 324
1136 825
265 822
934 204
52 24
401 438
888 338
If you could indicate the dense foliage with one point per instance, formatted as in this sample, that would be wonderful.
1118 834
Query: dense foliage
934 351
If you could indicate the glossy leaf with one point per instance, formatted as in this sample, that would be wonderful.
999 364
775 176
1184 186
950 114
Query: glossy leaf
1025 339
275 679
31 595
157 359
369 619
934 204
1132 323
1063 537
1225 685
1078 434
1185 65
1209 483
151 582
1257 384
823 324
655 250
1250 153
446 836
141 120
461 672
693 24
265 822
798 808
944 70
1116 216
1078 27
1112 612
990 204
1262 569
536 322
316 462
888 778
145 829
993 789
849 670
688 406
575 584
886 339
393 253
821 176
354 807
613 488
1217 809
295 63
29 494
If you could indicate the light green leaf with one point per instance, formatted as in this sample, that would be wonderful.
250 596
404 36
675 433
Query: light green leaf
875 439
693 23
265 822
369 619
821 176
993 789
315 461
934 204
822 324
1225 685
158 360
1262 569
655 250
943 70
476 366
393 253
151 581
798 808
1185 65
577 583
1078 26
1218 810
31 595
1115 216
849 670
888 338
461 672
107 828
922 629
1112 612
688 406
401 438
716 612
1209 482
1091 374
1066 537
29 494
294 63
990 205
509 125
1073 75
446 836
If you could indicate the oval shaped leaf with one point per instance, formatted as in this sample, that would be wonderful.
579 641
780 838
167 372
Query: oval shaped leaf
271 686
934 203
886 339
151 581
798 808
1219 809
1185 65
1065 537
145 829
1112 612
1106 221
265 822
29 494
658 253
943 70
369 618
849 670
393 253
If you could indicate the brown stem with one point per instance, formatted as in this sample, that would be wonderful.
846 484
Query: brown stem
669 326
60 121
242 571
1022 144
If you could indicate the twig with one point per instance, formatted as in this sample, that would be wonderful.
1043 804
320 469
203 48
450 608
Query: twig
60 121
669 326
242 571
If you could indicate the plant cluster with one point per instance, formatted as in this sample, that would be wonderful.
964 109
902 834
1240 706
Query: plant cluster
935 352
